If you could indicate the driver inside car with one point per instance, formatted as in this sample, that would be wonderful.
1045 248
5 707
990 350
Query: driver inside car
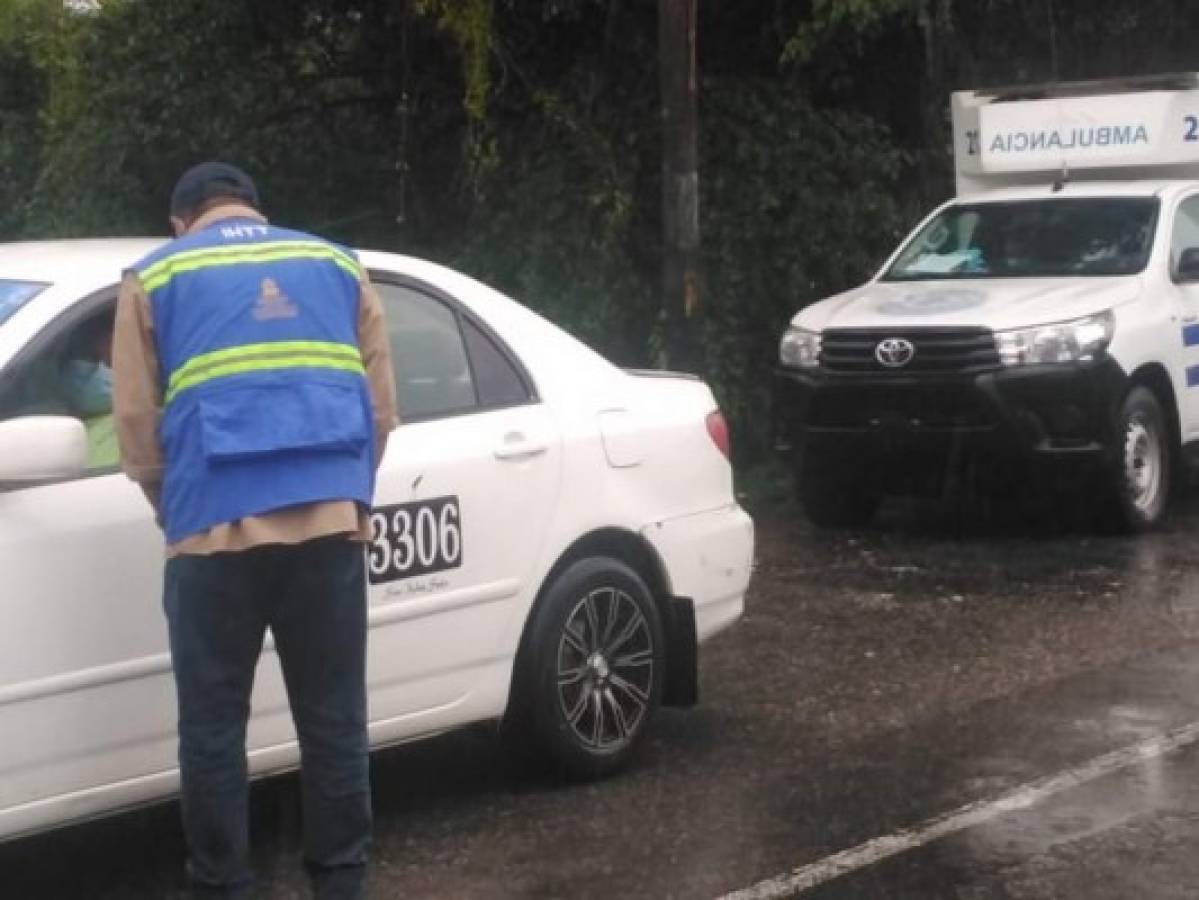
85 384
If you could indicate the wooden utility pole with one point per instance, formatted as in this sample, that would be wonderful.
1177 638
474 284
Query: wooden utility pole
678 80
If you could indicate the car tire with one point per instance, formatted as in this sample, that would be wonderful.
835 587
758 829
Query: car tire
833 496
591 673
1141 479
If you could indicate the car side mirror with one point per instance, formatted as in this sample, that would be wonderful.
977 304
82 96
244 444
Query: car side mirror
41 448
1188 265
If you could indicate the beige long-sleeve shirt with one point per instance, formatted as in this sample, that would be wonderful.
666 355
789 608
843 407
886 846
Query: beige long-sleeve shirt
137 407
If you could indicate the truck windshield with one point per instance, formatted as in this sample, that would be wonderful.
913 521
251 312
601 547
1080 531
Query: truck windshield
15 294
1031 239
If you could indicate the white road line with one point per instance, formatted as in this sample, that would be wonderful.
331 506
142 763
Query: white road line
964 817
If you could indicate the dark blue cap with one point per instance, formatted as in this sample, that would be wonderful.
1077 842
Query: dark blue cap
209 180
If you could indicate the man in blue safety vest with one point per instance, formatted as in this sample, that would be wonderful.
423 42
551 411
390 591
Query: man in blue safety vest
253 396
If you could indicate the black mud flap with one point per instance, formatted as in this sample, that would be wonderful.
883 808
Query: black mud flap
682 654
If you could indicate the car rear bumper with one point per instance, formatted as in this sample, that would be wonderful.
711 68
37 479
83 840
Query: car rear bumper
707 558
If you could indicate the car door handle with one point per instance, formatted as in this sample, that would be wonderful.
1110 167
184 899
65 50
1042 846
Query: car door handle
516 446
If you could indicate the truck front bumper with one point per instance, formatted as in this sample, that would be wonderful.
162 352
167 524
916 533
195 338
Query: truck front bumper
1037 413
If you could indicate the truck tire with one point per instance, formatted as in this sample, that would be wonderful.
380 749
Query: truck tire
1142 477
833 496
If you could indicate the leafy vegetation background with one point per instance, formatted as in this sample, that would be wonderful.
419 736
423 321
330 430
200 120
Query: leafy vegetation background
519 140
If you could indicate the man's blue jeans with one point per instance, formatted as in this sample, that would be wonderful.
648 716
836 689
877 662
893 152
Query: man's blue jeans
312 596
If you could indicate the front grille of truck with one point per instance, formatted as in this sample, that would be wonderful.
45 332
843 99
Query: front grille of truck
939 351
913 407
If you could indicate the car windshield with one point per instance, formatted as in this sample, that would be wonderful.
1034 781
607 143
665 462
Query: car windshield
1032 238
15 294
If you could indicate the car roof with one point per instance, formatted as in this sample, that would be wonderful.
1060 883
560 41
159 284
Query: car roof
77 267
82 264
100 259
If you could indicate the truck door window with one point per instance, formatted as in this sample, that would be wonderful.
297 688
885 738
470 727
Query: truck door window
1186 230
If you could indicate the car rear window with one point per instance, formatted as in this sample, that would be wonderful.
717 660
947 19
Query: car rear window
15 294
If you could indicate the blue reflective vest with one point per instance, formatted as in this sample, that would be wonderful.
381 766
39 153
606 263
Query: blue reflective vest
265 399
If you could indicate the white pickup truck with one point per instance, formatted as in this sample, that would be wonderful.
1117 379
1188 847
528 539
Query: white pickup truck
1045 320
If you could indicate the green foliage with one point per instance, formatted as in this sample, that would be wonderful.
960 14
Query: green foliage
559 228
113 144
132 99
766 486
820 187
22 94
470 23
860 17
521 139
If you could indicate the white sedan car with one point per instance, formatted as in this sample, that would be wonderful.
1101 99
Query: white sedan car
553 537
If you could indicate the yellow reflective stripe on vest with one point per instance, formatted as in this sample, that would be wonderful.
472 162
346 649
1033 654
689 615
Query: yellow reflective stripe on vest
161 272
274 348
261 358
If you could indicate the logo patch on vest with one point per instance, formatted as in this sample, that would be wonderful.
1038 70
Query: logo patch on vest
273 303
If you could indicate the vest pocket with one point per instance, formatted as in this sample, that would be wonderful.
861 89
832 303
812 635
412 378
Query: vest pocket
312 416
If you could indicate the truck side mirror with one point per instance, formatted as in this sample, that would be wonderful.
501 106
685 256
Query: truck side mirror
1188 265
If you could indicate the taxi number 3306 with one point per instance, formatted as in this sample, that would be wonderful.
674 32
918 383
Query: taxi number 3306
410 539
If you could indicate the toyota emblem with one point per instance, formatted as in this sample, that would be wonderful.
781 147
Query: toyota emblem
894 353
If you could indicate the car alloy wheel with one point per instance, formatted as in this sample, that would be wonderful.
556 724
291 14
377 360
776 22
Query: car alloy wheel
605 669
590 673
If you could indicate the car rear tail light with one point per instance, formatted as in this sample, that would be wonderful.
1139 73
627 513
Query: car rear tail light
718 430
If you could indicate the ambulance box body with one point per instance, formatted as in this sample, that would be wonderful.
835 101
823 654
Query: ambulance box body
1037 333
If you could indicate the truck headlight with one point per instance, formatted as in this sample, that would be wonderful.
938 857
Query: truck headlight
1063 342
800 348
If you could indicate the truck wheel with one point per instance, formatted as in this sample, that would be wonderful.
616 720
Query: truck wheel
1142 478
832 496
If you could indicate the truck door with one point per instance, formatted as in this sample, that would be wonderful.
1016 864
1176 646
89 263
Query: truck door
1184 235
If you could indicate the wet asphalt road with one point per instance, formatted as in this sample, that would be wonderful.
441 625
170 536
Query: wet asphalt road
880 678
